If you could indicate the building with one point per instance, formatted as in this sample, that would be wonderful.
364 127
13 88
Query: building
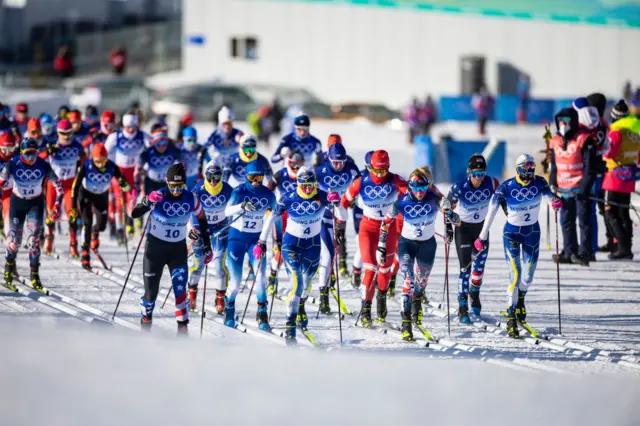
358 50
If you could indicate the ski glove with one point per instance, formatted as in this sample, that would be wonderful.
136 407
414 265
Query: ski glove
248 206
194 234
259 249
155 197
73 215
556 203
381 255
208 255
340 233
55 212
448 235
125 185
333 197
480 245
52 149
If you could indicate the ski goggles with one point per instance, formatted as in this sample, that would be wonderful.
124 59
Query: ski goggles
418 187
295 165
175 186
65 133
338 163
190 141
161 142
100 162
307 188
249 150
477 173
213 176
255 178
30 155
566 120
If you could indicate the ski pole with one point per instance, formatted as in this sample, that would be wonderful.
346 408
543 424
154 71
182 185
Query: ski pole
335 268
446 281
623 206
558 276
124 229
275 289
144 230
548 229
204 298
255 278
375 276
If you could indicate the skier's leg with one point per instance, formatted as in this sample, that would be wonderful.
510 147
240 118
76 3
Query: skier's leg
177 263
406 254
100 210
530 251
17 214
326 255
464 246
49 234
512 241
368 241
261 275
385 271
235 258
34 219
293 263
425 255
86 214
152 264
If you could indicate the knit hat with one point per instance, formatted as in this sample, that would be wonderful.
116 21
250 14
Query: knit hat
380 159
620 110
176 174
477 162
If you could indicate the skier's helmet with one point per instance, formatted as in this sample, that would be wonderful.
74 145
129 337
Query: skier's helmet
307 181
65 131
301 124
213 172
29 151
225 116
99 155
525 168
337 156
255 173
248 147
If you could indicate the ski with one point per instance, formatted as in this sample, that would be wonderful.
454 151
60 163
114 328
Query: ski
101 260
309 336
532 331
425 333
343 307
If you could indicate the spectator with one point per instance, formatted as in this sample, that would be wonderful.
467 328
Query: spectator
276 114
185 121
427 115
410 116
118 60
524 90
626 92
63 63
483 103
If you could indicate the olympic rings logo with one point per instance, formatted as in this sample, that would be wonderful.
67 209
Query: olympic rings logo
375 192
26 174
417 210
477 196
305 207
129 144
240 171
213 200
176 209
66 153
289 186
336 181
524 193
161 161
260 203
99 177
569 152
305 148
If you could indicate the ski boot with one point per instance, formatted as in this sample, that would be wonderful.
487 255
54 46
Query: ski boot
621 255
9 274
392 286
271 282
229 313
302 318
343 267
290 331
48 243
183 328
120 237
357 278
381 306
562 258
512 324
220 302
365 314
146 321
521 310
85 259
73 244
193 295
263 317
463 308
581 260
476 306
407 334
95 242
416 310
35 279
324 301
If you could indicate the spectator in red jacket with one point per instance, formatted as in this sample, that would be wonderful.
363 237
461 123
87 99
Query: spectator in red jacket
63 63
118 60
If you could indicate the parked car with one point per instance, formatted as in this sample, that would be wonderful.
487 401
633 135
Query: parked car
204 100
376 113
116 93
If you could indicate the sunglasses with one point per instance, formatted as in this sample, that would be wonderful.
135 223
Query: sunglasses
161 142
30 155
249 149
190 140
565 119
35 133
338 162
419 188
528 166
64 134
214 176
307 187
175 186
100 162
255 178
477 173
378 171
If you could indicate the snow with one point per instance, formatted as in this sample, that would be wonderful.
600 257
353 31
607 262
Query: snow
231 376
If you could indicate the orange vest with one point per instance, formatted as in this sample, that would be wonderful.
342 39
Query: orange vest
569 164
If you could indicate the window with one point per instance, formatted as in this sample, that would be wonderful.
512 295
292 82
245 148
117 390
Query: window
244 48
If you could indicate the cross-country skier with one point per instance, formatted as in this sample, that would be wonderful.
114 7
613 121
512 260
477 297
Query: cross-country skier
284 181
356 215
247 152
301 140
336 174
91 196
214 194
306 207
224 140
80 128
48 130
192 156
172 208
8 145
471 199
124 148
417 244
521 197
65 156
251 199
154 162
107 125
375 193
28 172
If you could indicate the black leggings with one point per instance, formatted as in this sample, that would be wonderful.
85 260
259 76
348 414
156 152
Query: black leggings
619 218
90 204
465 235
157 255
